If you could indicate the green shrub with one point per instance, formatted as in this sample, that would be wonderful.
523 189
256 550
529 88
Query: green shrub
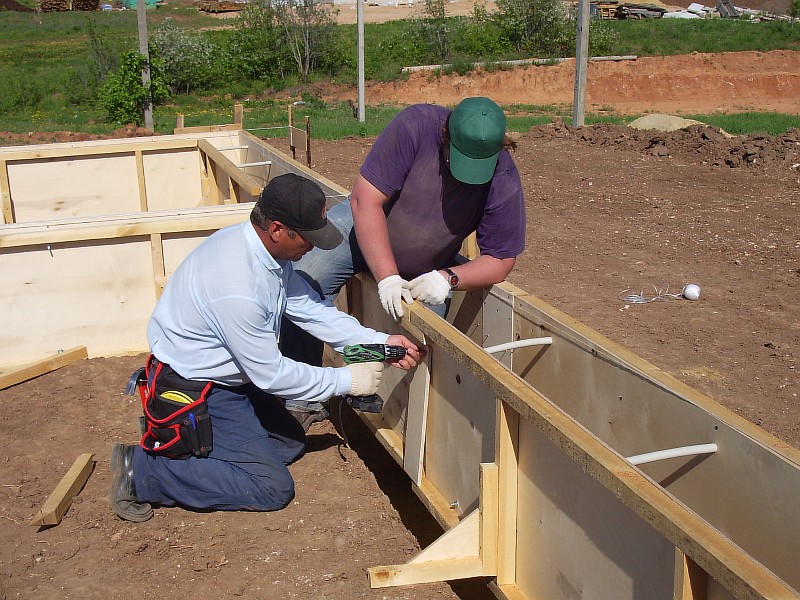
123 95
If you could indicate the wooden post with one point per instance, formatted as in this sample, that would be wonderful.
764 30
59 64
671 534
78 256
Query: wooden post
141 19
308 142
581 64
291 125
179 121
238 114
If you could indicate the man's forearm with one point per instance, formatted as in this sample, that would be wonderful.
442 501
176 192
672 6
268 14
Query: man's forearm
482 272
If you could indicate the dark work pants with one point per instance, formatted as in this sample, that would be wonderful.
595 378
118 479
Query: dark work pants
255 437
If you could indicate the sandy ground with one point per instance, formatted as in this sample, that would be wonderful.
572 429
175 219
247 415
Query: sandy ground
609 209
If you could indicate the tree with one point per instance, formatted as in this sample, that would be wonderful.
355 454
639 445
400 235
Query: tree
310 34
256 49
187 58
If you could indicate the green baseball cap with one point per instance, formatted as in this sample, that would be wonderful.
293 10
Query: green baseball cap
476 128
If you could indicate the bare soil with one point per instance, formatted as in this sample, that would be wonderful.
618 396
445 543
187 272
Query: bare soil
609 209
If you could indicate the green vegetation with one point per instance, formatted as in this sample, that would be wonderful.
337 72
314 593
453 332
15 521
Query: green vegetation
62 71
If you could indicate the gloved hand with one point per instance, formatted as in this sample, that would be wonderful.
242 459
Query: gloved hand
390 290
430 288
366 377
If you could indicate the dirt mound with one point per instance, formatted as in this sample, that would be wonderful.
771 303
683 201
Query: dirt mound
680 85
696 143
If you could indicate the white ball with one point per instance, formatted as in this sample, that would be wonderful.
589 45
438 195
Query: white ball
691 291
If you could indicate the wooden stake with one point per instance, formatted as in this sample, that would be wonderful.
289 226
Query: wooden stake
56 506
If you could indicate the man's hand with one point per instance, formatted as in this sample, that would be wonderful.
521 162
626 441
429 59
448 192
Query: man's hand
413 352
431 288
391 290
365 378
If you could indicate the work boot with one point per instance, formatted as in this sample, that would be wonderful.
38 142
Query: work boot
122 494
306 416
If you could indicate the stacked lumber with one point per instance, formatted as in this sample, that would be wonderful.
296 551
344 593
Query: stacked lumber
217 6
85 5
54 5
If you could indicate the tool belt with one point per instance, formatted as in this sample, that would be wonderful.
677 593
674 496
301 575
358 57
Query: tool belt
177 423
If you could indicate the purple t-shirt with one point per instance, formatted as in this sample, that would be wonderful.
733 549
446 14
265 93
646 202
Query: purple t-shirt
430 212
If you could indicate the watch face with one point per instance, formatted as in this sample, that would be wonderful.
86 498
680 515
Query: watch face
453 279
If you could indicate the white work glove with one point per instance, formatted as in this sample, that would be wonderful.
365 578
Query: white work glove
391 290
430 288
365 378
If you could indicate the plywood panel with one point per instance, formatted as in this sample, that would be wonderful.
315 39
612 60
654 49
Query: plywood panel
97 295
626 405
81 186
461 430
575 539
172 179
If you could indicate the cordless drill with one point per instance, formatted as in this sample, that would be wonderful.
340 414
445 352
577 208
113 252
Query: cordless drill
361 353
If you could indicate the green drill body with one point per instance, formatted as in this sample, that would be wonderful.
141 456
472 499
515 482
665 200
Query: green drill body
361 353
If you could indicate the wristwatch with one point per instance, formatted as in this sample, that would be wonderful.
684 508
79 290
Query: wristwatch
452 278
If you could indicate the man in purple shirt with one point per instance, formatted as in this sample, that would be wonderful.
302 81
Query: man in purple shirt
432 177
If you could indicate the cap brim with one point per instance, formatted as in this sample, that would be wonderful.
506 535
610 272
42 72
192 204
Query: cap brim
326 238
475 171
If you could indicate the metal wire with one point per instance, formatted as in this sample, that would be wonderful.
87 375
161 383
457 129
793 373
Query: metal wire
658 295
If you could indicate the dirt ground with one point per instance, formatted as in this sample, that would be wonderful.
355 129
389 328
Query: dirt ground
609 209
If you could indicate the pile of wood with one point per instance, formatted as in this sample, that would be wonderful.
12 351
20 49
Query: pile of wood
85 5
54 5
218 6
65 5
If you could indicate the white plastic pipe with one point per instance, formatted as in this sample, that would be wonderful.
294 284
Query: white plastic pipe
542 341
255 164
649 457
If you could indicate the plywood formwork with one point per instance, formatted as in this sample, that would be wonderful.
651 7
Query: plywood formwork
573 516
94 230
525 455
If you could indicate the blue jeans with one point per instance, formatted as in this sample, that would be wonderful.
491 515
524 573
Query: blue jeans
255 437
327 271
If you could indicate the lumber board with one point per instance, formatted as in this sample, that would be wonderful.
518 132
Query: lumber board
119 227
13 375
68 150
58 503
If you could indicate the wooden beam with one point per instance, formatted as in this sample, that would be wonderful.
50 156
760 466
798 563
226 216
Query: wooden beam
123 226
248 183
40 367
141 181
56 506
5 194
112 147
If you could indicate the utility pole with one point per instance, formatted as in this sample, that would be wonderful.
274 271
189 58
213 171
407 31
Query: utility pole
360 19
581 64
141 20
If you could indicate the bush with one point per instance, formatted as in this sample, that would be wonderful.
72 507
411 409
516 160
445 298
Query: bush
479 35
188 59
536 27
123 96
